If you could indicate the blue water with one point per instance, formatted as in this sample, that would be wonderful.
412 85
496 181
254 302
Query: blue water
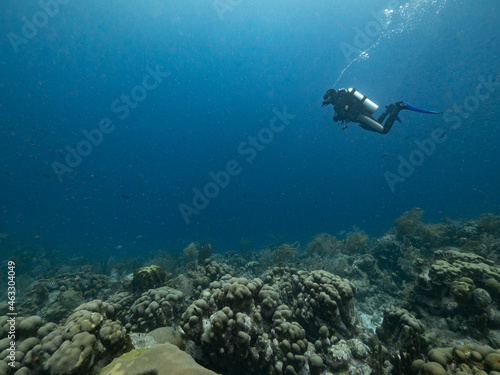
223 70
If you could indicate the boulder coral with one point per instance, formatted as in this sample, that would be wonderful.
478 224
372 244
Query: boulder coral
29 332
265 326
155 308
317 298
210 270
400 327
460 359
86 336
162 359
460 284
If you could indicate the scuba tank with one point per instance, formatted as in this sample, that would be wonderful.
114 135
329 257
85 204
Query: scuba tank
372 123
367 103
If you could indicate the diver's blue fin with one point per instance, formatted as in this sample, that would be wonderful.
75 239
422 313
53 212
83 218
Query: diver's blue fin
412 108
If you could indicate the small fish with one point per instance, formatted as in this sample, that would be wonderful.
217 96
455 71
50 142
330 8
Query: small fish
125 196
52 284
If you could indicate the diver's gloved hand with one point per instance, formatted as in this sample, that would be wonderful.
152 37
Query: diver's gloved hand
329 97
326 100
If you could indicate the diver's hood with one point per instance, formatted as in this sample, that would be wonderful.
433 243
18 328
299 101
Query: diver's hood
329 97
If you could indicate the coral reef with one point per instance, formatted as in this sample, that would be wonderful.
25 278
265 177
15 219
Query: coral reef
206 249
460 359
490 224
209 271
323 244
148 278
424 298
191 252
281 252
458 285
155 308
355 242
267 326
408 223
29 331
88 335
163 359
317 298
199 253
401 333
54 298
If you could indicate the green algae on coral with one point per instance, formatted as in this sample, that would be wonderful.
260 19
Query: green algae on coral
124 357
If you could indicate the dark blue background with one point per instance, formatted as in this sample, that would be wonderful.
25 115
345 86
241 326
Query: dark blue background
226 76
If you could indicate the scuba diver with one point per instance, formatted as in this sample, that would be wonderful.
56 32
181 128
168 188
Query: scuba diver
351 106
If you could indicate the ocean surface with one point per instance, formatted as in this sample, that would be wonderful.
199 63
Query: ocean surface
128 127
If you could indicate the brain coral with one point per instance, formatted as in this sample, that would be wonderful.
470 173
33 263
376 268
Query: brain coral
148 277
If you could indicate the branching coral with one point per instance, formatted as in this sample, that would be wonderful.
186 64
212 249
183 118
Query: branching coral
206 250
433 235
283 251
199 252
355 242
245 248
323 244
191 251
409 222
489 223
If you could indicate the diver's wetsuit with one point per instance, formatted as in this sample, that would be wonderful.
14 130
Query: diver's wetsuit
348 108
